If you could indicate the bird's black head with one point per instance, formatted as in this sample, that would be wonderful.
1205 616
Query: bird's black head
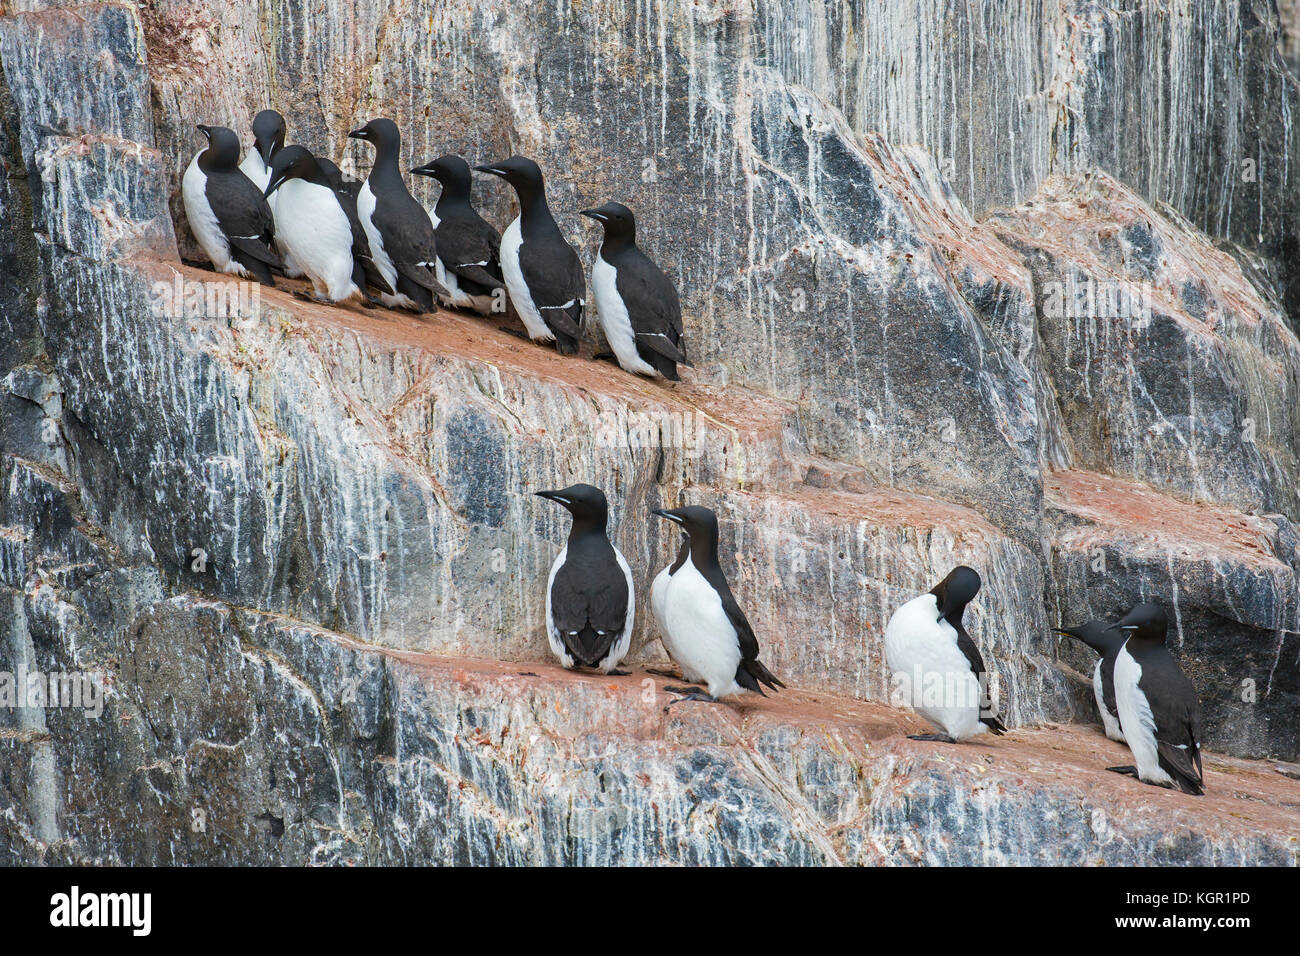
268 134
1095 634
292 162
450 170
223 148
954 592
617 220
1146 623
699 523
381 133
520 172
586 503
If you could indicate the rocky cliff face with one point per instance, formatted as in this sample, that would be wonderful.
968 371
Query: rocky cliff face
988 287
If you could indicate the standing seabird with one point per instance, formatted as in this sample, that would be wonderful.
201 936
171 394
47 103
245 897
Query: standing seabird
936 665
469 249
397 227
1107 643
364 271
1158 707
708 634
590 600
313 226
227 212
542 272
636 303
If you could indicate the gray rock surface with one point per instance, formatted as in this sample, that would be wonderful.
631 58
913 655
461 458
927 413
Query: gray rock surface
300 541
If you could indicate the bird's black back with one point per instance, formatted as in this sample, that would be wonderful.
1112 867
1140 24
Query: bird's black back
589 595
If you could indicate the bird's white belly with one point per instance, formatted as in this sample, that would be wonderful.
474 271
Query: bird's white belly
513 274
698 634
931 674
315 230
1136 719
203 221
614 319
255 169
552 632
1108 722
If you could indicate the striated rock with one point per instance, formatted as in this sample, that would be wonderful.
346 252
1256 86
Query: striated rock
299 541
1167 365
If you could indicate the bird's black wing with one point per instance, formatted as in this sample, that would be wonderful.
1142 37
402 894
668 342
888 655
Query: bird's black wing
244 215
1178 721
589 600
654 308
1108 683
966 644
751 674
469 247
553 273
409 239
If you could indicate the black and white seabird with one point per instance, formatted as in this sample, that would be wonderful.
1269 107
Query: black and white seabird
1106 642
397 227
937 668
469 249
542 272
268 137
1159 711
590 600
636 303
365 274
706 632
312 224
227 212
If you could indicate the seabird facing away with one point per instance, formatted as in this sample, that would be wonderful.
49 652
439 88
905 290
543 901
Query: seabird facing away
936 664
590 599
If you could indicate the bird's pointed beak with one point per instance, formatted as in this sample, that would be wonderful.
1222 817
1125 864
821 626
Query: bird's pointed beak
357 134
275 183
552 496
670 515
595 214
493 170
420 171
205 130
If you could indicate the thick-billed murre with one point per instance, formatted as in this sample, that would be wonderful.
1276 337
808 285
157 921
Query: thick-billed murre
227 212
1159 711
707 633
637 304
590 598
936 665
542 272
469 249
1106 642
